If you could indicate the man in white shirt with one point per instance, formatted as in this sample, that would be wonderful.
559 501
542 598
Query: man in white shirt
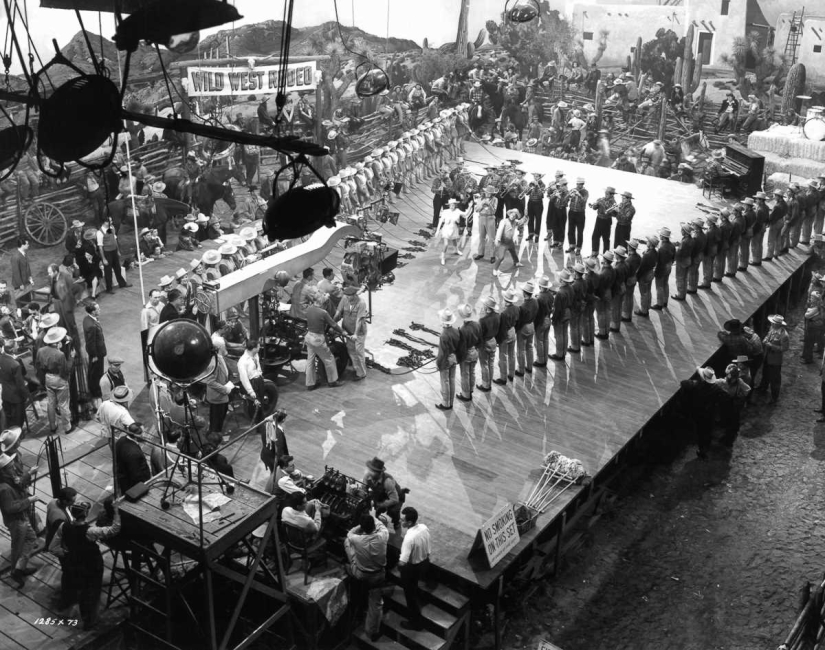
149 320
414 565
506 236
296 514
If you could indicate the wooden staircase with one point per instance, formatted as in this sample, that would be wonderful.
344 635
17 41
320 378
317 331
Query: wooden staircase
446 615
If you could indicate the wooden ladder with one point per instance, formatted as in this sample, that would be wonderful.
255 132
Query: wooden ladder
794 35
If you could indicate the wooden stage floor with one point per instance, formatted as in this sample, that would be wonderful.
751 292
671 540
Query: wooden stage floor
463 464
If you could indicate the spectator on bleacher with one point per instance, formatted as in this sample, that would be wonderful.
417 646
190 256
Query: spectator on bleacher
754 106
187 238
727 113
677 99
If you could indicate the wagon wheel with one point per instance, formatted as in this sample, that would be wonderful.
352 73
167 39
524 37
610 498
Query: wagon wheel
45 223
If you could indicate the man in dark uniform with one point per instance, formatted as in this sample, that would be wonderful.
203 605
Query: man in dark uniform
624 217
577 307
535 207
560 198
447 358
683 259
737 223
469 342
506 339
543 322
442 189
790 234
605 209
712 235
607 276
761 212
645 273
666 252
618 289
776 220
489 322
697 255
562 314
725 228
575 216
813 194
588 318
632 263
525 330
749 218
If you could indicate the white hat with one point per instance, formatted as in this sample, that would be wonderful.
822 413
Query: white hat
9 438
447 316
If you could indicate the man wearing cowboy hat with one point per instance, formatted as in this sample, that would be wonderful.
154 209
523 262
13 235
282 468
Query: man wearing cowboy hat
775 343
749 218
645 274
793 220
485 217
490 323
132 466
387 496
15 505
52 363
577 305
737 229
352 312
701 399
776 222
733 339
604 295
666 254
761 213
713 236
576 217
525 330
543 321
624 218
619 288
632 264
74 238
467 355
506 240
728 110
149 320
605 209
447 358
506 339
562 313
683 260
699 240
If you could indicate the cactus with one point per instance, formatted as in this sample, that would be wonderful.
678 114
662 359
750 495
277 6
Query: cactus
471 49
697 76
629 63
701 100
480 38
685 78
637 59
425 45
794 85
677 73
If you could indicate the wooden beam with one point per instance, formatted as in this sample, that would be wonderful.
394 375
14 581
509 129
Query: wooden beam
264 60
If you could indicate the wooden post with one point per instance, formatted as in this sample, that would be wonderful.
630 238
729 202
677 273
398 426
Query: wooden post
497 611
318 105
662 120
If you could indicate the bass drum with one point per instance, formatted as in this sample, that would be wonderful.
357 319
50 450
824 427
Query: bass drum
269 402
814 128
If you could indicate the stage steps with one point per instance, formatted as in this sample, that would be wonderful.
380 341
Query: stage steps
445 612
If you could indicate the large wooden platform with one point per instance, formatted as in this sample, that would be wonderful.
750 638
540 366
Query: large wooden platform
460 465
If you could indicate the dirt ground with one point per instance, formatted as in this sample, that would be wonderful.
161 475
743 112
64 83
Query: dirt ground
699 554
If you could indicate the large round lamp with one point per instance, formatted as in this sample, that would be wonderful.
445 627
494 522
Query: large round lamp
181 351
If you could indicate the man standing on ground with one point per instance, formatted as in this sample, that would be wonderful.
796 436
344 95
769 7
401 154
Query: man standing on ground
647 269
447 358
52 362
15 505
113 377
352 311
13 388
712 237
544 312
366 549
506 339
666 254
95 349
576 217
149 320
605 210
414 564
469 343
490 322
486 219
109 254
22 282
776 343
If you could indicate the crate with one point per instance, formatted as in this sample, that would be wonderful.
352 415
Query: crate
525 518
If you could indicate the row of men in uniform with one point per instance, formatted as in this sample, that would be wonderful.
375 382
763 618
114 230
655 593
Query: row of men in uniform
596 296
395 167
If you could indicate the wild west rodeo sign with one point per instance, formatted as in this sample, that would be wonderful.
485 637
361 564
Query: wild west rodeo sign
244 80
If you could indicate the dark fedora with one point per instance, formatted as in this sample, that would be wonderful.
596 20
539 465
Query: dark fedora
376 465
734 326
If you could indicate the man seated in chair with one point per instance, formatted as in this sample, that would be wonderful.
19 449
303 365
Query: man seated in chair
308 517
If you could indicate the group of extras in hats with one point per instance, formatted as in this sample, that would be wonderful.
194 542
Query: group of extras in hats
400 164
718 245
